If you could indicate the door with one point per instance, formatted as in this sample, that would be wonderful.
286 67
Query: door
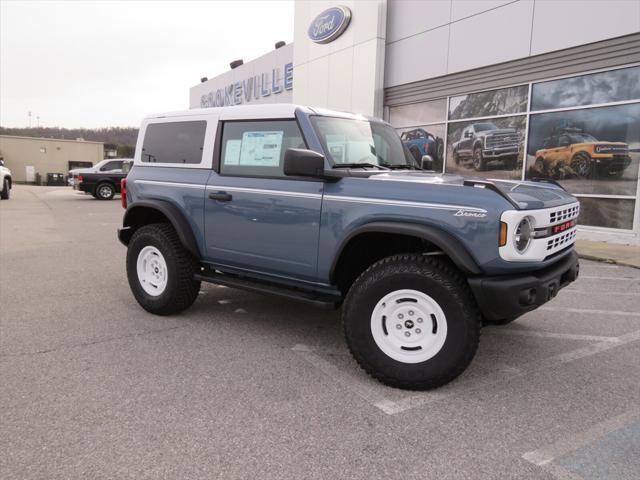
255 217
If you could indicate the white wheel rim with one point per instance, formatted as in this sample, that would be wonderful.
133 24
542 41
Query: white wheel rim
105 192
152 271
409 326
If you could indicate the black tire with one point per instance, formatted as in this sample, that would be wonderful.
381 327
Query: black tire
539 166
181 289
104 191
582 165
456 157
502 321
433 277
478 159
5 193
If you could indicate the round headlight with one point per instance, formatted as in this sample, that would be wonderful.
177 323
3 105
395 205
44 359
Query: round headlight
523 235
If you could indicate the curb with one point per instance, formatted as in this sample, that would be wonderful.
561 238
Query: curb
606 260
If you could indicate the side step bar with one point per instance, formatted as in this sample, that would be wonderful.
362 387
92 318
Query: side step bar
324 300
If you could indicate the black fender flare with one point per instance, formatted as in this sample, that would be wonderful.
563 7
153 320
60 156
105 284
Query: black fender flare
446 242
170 211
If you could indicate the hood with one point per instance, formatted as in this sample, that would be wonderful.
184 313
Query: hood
527 195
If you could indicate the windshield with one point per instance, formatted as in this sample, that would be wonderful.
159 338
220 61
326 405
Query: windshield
481 127
348 141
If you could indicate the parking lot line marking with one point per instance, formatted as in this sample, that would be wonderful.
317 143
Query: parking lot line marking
583 352
588 310
630 294
531 333
597 277
575 440
360 385
371 392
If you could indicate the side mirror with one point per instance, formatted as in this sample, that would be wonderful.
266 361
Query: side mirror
299 162
426 162
467 134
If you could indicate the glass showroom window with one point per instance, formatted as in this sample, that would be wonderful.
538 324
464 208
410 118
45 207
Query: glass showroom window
484 137
588 139
422 128
583 131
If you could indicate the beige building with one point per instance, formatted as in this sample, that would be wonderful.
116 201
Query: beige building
29 156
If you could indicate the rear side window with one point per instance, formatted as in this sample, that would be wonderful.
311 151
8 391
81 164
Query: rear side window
257 148
174 142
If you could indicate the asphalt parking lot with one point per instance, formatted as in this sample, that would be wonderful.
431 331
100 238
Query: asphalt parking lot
247 386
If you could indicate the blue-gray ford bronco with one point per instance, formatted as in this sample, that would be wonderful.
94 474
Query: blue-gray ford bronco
330 208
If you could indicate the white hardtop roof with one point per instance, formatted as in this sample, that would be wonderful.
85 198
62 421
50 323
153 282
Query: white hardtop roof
240 112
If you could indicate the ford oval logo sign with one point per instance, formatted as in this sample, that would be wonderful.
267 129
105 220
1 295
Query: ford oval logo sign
329 25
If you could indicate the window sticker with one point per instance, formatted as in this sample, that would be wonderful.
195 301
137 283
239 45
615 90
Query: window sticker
336 144
261 148
232 152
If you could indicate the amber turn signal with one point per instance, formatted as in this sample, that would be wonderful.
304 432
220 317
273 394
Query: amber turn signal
503 234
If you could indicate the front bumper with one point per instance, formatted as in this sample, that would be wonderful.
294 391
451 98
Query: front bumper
500 152
509 296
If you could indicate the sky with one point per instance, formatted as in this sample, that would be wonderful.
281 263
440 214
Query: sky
109 63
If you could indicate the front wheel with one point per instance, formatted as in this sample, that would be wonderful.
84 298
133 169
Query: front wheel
478 159
160 270
582 165
411 322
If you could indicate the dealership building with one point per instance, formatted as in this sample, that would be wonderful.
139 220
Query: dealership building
496 89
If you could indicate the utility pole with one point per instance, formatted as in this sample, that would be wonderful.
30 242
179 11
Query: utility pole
38 121
29 119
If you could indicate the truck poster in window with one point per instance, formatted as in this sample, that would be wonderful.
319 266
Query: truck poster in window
492 148
589 151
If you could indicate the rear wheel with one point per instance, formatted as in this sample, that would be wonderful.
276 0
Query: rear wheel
105 191
161 271
411 322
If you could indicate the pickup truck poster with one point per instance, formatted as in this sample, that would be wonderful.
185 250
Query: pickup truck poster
589 151
489 148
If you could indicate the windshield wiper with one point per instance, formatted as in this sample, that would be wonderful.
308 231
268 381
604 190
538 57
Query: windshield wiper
359 165
399 166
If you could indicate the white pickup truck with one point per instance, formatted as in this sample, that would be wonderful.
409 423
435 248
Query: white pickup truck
5 181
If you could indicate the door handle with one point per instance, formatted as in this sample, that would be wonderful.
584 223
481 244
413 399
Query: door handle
220 196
